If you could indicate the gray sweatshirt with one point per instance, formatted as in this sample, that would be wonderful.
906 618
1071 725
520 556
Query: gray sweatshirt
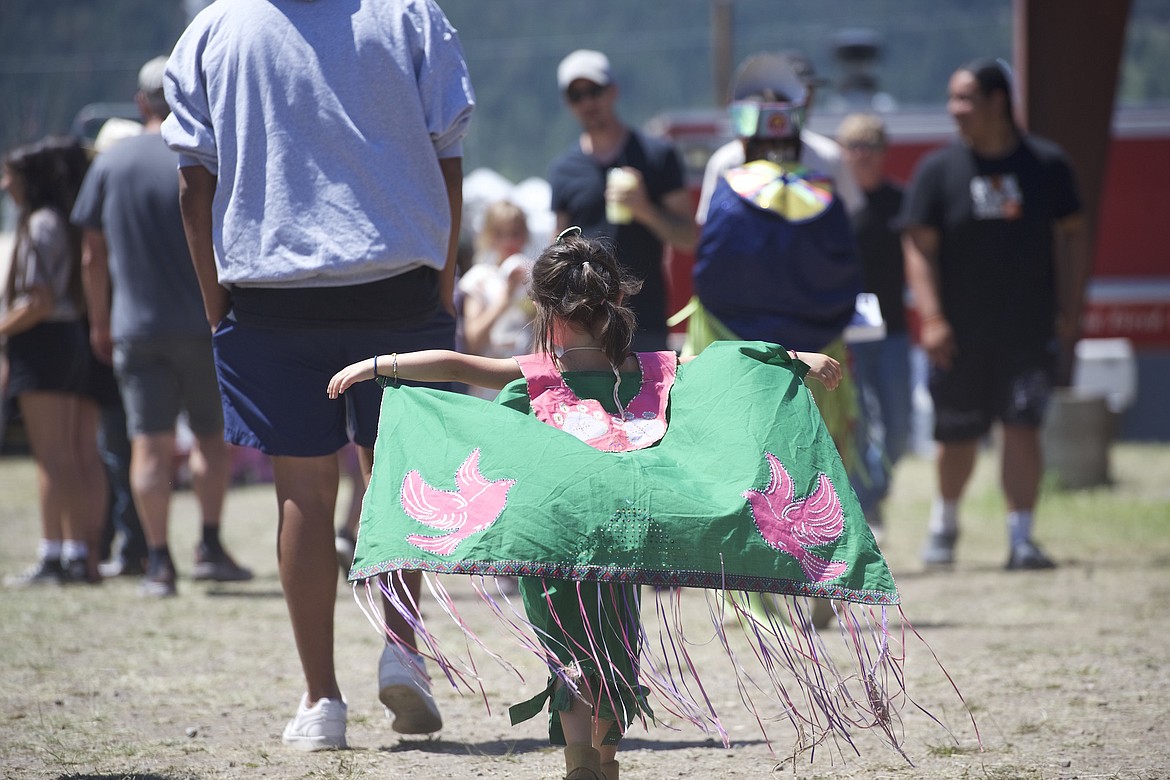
324 123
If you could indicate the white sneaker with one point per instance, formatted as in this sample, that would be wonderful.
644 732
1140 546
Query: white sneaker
404 689
320 727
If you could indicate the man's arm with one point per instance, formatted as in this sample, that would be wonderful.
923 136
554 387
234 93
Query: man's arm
920 250
196 196
95 277
1073 262
452 168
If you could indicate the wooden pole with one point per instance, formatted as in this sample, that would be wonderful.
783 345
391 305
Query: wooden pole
722 13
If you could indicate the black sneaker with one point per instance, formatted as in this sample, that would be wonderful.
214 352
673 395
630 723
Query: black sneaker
217 566
1027 555
159 583
47 571
939 549
76 572
122 567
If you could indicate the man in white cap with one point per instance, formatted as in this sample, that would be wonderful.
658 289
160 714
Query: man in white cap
146 317
653 207
780 77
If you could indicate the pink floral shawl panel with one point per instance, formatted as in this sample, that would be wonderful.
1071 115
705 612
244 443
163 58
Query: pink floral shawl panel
644 423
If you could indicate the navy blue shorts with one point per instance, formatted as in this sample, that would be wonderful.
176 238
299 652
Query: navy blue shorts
1007 382
272 382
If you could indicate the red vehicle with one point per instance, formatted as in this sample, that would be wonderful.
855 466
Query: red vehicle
1129 292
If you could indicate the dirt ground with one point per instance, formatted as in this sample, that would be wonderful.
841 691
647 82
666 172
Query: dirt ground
1067 673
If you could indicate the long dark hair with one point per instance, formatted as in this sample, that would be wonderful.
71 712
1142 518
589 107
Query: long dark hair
578 280
51 171
992 76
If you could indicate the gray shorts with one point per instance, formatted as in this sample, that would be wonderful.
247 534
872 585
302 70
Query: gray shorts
161 377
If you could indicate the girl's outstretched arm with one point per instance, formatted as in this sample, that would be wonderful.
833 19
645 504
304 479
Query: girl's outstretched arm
431 365
822 368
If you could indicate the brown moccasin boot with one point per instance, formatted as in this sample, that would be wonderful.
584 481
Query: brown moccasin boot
582 762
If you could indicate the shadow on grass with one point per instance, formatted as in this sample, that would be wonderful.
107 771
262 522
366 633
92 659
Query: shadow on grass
221 593
126 776
504 747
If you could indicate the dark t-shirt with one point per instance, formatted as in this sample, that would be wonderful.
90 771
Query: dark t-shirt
880 245
995 221
578 189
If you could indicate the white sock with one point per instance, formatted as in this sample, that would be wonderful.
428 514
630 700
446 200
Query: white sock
49 549
1019 525
74 550
944 517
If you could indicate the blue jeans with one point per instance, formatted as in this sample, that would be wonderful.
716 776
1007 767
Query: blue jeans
122 517
881 370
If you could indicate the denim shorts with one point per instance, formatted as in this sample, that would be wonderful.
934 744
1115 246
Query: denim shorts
273 380
1010 383
161 377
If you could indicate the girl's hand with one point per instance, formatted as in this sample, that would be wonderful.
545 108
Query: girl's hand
822 368
350 376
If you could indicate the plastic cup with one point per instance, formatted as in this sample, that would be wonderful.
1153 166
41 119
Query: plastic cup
620 180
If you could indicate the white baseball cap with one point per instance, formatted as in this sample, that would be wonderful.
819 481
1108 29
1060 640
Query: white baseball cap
150 76
584 64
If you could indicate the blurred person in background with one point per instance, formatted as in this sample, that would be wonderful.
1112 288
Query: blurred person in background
497 313
122 523
776 259
42 325
997 259
881 367
641 207
146 316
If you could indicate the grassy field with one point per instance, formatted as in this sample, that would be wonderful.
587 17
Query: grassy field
1067 672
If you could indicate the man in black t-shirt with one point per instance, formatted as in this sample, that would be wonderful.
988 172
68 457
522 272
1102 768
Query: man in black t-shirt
654 207
996 259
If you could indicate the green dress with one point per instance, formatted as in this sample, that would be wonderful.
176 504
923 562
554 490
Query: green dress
570 616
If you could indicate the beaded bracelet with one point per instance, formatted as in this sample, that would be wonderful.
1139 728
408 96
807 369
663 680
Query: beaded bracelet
384 381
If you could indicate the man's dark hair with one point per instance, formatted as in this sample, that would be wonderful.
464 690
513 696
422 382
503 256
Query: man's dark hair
992 76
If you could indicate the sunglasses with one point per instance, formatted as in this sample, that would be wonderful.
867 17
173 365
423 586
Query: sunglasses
577 95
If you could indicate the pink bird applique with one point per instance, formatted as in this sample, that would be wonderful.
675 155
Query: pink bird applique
474 505
792 526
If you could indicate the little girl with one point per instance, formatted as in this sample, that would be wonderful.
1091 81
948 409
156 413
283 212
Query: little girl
585 558
496 312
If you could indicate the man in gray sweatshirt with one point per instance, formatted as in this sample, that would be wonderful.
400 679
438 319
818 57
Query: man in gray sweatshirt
321 187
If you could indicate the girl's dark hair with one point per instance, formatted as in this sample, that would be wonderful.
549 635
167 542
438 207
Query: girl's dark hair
51 171
992 76
578 280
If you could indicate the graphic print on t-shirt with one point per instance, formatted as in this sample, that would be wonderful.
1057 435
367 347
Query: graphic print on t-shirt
997 196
